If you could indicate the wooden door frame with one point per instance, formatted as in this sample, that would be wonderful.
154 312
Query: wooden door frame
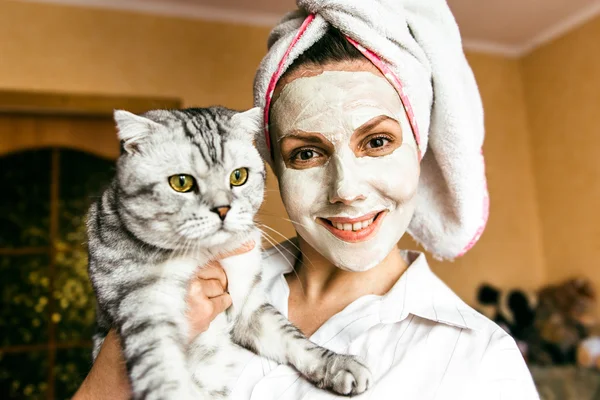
55 103
30 120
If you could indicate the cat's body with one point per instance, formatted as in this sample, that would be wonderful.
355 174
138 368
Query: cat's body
152 229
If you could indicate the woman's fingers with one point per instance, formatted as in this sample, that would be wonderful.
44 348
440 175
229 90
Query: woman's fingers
206 299
202 309
207 293
212 288
212 271
220 304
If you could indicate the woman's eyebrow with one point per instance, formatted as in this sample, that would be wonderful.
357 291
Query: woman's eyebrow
305 137
369 125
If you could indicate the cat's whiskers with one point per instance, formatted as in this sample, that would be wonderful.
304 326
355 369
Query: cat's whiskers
294 222
294 255
269 239
185 248
178 248
301 257
193 228
275 246
193 249
266 214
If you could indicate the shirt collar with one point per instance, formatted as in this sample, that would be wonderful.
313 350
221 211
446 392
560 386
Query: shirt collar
418 292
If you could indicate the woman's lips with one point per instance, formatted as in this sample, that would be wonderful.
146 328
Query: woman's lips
353 230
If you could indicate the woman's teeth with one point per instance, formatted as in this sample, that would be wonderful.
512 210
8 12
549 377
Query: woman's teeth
357 226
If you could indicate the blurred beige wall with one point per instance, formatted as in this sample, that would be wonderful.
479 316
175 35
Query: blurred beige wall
58 48
562 86
67 49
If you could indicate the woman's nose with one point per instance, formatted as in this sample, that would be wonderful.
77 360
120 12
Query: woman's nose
346 186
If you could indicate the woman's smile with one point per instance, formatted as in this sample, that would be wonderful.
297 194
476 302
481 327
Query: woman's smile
354 230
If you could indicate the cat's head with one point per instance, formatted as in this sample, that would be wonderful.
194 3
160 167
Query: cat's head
189 179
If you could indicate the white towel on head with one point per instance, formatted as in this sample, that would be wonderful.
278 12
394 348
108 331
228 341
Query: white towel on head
417 45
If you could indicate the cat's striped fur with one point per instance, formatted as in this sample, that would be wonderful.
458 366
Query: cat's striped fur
146 241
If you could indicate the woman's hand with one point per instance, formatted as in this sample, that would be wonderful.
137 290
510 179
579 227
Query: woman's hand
207 297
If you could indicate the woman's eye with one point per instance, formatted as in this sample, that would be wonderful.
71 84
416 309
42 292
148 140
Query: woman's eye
305 155
377 142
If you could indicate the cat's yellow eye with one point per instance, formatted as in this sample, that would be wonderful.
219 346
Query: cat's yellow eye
182 183
238 177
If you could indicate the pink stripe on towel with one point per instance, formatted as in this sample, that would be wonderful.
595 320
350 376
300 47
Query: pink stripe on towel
393 79
279 72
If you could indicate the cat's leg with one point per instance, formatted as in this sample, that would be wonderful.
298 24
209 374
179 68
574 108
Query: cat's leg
214 359
153 330
267 332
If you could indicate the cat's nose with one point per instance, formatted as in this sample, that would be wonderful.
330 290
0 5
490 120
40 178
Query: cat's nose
222 211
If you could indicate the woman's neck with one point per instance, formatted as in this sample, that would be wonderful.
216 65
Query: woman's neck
319 289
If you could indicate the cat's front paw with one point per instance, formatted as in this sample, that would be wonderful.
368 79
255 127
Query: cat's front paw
346 375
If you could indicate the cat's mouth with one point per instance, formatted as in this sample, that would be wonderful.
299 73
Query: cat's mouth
354 229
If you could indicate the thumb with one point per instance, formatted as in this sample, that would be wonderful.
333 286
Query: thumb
220 303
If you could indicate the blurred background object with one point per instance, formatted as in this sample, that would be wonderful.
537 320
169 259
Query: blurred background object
550 325
66 64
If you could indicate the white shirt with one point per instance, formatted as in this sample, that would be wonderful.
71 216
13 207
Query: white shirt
419 340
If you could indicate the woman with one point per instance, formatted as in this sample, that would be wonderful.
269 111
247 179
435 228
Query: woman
363 153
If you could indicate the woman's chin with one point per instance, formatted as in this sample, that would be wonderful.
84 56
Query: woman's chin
358 259
357 267
349 256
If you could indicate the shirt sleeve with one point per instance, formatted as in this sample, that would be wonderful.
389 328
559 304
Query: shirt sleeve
503 372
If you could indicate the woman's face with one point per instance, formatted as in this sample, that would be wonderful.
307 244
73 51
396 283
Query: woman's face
346 160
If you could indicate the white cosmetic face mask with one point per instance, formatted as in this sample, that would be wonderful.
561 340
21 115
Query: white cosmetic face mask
335 104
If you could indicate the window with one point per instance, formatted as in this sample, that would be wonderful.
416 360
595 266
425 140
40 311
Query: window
47 309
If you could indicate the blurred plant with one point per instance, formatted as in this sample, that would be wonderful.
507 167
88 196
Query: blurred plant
23 310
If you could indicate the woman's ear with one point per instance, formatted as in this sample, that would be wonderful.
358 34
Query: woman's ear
133 129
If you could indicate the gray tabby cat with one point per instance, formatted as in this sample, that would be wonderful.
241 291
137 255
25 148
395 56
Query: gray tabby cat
188 185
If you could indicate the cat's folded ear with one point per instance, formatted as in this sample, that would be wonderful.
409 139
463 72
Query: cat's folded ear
246 124
133 129
250 124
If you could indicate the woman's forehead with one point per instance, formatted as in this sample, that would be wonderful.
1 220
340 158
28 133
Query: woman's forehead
333 102
308 70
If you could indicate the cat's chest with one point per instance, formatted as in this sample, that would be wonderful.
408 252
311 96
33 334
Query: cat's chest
215 359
